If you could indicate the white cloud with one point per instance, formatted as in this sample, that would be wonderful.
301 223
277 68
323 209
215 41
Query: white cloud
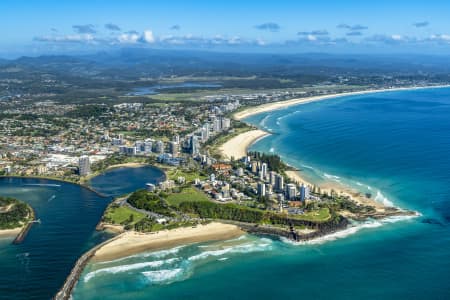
396 37
128 38
261 42
311 37
148 37
71 38
440 38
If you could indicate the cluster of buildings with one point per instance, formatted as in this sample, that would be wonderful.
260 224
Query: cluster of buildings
272 183
48 138
255 182
169 151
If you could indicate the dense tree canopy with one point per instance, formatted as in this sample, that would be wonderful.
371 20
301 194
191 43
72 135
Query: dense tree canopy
13 213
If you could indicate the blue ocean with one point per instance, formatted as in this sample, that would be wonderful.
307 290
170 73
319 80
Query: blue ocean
394 145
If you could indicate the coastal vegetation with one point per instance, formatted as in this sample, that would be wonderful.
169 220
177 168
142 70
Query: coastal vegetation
188 194
142 199
122 215
235 212
117 159
273 161
189 175
187 206
14 213
150 225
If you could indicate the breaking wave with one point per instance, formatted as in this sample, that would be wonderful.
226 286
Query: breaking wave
332 177
130 267
352 230
164 276
156 254
262 245
382 199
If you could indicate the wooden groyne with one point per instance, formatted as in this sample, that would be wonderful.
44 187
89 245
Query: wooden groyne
66 290
23 233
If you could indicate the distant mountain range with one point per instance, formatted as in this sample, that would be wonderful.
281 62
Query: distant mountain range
153 62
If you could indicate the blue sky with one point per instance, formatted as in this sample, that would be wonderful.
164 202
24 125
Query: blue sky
339 26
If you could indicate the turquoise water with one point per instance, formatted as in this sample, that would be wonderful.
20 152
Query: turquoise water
37 268
394 145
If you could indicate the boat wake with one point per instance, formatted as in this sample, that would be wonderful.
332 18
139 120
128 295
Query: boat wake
43 184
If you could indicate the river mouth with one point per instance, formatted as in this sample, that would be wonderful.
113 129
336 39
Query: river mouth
69 213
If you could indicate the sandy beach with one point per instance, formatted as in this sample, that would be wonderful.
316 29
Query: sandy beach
326 187
131 242
238 145
237 148
127 165
10 232
283 104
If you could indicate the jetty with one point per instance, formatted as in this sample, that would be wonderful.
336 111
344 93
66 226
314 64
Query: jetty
23 233
66 290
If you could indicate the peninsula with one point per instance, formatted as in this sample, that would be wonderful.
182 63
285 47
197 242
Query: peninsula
15 218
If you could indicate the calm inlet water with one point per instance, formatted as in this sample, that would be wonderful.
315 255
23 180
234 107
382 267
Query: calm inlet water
394 145
120 181
37 268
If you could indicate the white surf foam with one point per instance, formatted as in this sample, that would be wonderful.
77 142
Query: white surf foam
130 267
352 230
264 120
156 254
163 276
382 199
261 245
332 177
43 184
307 167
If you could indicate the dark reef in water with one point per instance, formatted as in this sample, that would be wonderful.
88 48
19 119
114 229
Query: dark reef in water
432 222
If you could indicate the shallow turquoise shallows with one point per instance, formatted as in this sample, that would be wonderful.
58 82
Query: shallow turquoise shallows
37 268
394 145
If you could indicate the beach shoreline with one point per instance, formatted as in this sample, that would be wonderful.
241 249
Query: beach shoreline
340 189
6 233
234 147
297 101
127 165
132 242
237 146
